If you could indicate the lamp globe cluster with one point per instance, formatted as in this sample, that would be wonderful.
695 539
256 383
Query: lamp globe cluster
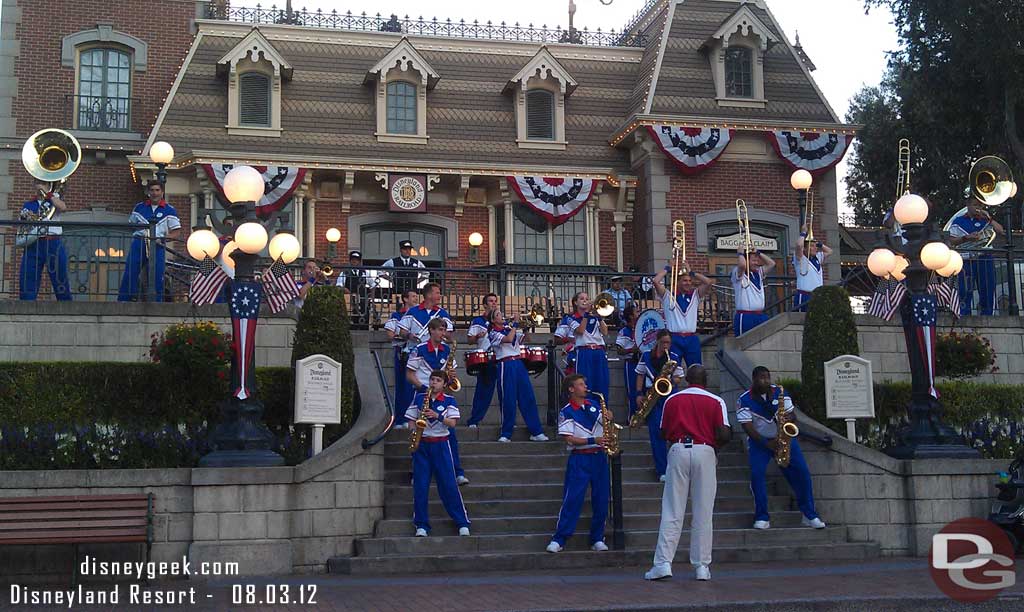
202 243
284 246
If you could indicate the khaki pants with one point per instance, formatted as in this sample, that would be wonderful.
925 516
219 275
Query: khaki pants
689 470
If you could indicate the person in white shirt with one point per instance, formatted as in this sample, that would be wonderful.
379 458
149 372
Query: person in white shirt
167 226
979 267
516 388
810 271
487 379
681 310
402 281
43 246
748 288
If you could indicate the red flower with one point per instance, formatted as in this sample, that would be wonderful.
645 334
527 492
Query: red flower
220 355
214 341
220 375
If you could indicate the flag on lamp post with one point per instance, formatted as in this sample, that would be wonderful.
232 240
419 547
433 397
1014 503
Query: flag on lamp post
245 310
278 286
207 283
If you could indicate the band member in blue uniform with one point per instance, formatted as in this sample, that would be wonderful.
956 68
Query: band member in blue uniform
626 347
756 412
589 331
681 310
46 250
748 287
514 380
428 356
403 390
413 326
810 271
647 371
565 338
579 425
487 379
434 456
312 276
167 226
979 268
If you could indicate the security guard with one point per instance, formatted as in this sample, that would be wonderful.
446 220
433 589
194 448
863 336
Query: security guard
404 280
487 379
167 226
47 250
513 378
647 370
403 390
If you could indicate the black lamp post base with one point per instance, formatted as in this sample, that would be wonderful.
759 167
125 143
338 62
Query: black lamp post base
933 451
241 439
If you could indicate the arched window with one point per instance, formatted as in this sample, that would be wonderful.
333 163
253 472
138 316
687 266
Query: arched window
104 90
540 114
739 81
254 99
401 108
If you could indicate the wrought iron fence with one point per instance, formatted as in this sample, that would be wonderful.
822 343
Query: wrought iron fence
99 113
425 27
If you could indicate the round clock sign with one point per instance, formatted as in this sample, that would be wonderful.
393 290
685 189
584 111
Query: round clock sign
408 193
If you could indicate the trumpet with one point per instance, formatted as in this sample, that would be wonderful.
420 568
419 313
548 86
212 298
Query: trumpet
327 269
744 222
604 304
678 253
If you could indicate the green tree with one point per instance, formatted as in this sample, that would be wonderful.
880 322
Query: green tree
829 331
872 172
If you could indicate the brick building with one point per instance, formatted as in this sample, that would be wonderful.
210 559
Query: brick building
358 103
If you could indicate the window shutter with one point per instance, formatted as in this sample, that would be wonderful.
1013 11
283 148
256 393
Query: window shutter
540 115
254 99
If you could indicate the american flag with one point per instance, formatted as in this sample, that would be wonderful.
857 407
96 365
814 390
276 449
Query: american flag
924 311
278 286
886 300
207 283
245 309
947 294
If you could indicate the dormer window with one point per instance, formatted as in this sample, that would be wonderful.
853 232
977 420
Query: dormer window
255 71
736 54
254 100
401 103
540 114
540 89
401 79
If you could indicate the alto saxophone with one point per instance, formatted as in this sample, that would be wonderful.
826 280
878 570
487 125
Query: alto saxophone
449 369
787 431
609 426
421 423
662 387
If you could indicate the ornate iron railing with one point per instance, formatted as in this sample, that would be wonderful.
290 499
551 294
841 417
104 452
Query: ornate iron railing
99 113
426 27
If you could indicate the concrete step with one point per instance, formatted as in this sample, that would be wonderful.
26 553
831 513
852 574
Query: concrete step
549 461
490 433
631 449
554 474
477 491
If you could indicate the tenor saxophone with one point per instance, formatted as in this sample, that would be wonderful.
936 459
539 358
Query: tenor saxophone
662 387
787 431
449 369
421 423
609 426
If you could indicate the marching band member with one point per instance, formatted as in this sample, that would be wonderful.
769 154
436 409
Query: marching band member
579 424
750 298
979 268
167 226
626 346
311 276
647 370
681 310
403 390
47 251
589 331
413 326
428 356
564 338
756 411
809 271
487 379
695 422
434 456
514 380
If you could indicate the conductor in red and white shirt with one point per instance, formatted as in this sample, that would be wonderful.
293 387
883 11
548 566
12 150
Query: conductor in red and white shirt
694 422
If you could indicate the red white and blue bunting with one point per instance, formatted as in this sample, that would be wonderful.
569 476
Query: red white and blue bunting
555 199
279 184
815 152
692 149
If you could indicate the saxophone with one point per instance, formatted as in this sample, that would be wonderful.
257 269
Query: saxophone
449 369
609 426
787 431
662 387
421 423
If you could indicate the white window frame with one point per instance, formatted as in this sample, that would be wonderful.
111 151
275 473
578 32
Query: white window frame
543 71
254 53
743 28
402 63
270 101
510 232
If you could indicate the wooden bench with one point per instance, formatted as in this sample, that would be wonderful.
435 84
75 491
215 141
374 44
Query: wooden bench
77 519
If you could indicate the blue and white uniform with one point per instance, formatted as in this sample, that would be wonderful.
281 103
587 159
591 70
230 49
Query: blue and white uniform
514 383
591 360
46 252
166 221
312 282
562 331
979 269
423 360
749 300
415 322
487 379
810 274
434 458
760 411
681 312
587 466
403 390
626 341
649 367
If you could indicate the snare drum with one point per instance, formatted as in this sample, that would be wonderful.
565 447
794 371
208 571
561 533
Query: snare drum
536 359
477 361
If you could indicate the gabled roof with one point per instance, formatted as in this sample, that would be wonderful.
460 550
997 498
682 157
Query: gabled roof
543 65
255 46
746 23
404 56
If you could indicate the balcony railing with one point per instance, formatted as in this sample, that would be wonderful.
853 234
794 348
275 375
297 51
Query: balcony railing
99 113
425 27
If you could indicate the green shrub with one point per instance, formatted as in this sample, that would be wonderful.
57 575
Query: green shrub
963 355
829 331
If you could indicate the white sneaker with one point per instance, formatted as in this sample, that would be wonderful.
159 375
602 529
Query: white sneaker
599 546
661 478
554 547
703 572
473 426
461 480
539 438
659 572
761 525
421 532
463 531
503 439
815 522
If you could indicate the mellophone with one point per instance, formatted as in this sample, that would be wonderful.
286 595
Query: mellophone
535 358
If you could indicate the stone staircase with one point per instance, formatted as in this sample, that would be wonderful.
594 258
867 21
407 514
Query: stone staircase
515 494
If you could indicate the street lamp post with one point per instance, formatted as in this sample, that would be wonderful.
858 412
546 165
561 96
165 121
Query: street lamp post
801 180
475 240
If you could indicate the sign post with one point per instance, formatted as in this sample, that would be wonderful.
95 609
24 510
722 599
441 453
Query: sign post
849 391
317 395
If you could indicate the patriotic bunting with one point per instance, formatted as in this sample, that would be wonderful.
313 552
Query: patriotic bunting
279 286
245 310
691 149
555 199
207 283
813 151
279 184
923 317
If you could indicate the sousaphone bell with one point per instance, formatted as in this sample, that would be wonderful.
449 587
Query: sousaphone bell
991 180
51 155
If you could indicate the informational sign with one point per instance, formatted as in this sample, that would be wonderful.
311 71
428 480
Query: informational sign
318 390
407 193
849 392
733 242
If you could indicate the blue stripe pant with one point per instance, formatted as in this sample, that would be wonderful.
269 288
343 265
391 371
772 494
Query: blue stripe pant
797 474
403 390
516 389
593 365
135 265
486 383
659 447
630 384
48 254
742 323
688 348
434 459
800 301
584 470
981 273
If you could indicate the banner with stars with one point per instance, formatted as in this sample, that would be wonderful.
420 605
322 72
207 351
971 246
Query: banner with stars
691 149
245 310
280 182
554 199
815 152
920 331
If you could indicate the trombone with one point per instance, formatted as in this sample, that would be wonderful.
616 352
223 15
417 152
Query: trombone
903 176
744 222
678 253
809 238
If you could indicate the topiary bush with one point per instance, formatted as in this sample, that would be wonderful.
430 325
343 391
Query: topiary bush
829 331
